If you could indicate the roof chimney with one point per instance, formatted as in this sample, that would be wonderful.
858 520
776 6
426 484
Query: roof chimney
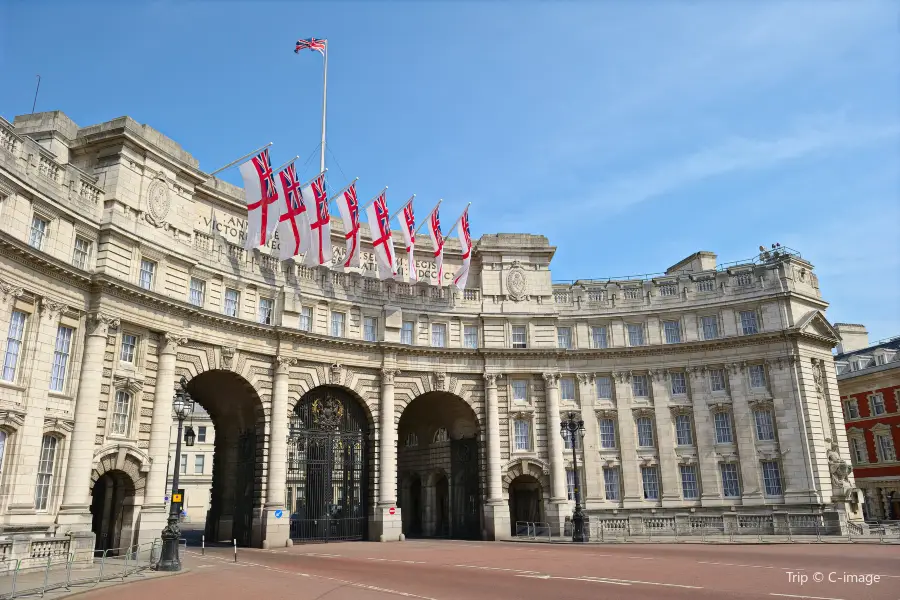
853 337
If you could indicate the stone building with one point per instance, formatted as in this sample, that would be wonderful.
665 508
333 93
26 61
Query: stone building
869 382
348 407
195 467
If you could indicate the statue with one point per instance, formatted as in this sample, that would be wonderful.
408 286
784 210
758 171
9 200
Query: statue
840 473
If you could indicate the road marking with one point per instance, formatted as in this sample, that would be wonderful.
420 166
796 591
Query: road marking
397 560
701 562
494 568
808 597
613 581
585 579
641 557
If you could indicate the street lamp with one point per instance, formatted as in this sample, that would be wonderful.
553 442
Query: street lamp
569 429
182 406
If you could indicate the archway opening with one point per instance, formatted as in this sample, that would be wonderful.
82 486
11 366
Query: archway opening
233 496
112 510
328 485
412 497
438 445
526 503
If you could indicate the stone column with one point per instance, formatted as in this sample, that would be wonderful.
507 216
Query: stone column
745 434
630 472
496 517
75 509
387 527
277 523
154 510
669 472
559 502
705 434
592 487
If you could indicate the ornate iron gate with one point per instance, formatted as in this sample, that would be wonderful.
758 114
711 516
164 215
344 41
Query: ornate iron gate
466 503
244 487
327 470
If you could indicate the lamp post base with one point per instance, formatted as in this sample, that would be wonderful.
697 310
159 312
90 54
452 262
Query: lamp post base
580 531
169 559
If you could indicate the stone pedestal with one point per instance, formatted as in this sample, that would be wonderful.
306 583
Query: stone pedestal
497 524
81 545
384 526
277 529
151 522
556 516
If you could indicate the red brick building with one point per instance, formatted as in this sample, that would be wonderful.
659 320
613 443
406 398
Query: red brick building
868 378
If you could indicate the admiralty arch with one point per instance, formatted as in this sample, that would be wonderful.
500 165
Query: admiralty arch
347 407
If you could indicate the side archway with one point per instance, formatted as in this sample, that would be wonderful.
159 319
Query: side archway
116 481
526 483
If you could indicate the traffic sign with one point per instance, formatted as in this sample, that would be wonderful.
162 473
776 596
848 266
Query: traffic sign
392 511
278 513
176 497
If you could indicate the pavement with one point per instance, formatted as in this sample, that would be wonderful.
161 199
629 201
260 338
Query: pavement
449 570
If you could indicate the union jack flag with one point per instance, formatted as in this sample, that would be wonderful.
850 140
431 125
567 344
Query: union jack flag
311 44
318 186
436 227
291 187
266 177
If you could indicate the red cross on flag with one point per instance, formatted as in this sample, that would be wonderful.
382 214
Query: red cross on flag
465 242
437 241
261 196
349 208
316 201
293 227
408 230
380 227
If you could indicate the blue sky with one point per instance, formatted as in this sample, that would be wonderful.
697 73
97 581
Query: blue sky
631 134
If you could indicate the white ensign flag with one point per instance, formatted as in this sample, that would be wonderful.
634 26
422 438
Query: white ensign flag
349 208
437 240
382 241
293 226
261 196
316 201
408 230
465 241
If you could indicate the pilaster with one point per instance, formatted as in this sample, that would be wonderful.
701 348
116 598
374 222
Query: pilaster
670 478
745 436
631 473
496 510
592 486
387 527
704 423
558 498
277 523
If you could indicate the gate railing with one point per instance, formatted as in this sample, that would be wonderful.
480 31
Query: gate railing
328 528
532 530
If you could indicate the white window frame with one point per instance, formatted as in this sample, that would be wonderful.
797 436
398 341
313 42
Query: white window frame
201 434
640 386
884 445
201 460
516 384
46 471
607 428
876 405
705 331
764 421
731 481
599 336
672 332
720 418
749 326
564 338
515 332
470 336
684 430
644 428
773 484
859 452
265 310
120 418
411 330
62 354
235 302
678 383
305 319
370 329
147 274
337 324
691 483
128 348
612 483
650 484
81 253
438 335
635 334
757 374
197 293
718 374
15 345
852 408
603 384
522 432
567 389
38 234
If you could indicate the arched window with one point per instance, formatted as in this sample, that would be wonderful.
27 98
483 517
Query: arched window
121 417
412 440
45 472
441 435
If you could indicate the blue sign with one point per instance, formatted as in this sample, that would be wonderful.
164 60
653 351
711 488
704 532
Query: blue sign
278 514
184 513
167 499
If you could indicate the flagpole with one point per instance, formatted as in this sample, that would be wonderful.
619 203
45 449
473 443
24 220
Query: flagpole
402 207
324 99
449 231
285 164
431 212
344 189
234 162
377 196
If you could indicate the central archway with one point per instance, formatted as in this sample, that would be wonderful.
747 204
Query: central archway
239 421
439 467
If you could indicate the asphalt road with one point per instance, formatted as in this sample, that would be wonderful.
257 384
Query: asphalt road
446 570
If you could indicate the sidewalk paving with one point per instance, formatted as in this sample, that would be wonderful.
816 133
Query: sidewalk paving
609 538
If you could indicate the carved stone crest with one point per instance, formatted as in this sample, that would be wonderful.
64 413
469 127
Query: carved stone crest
440 380
158 201
8 291
227 356
337 373
517 283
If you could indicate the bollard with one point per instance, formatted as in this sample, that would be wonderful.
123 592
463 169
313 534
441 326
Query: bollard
790 533
235 550
203 545
818 532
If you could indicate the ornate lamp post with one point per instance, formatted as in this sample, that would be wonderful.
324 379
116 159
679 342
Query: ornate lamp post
569 429
182 406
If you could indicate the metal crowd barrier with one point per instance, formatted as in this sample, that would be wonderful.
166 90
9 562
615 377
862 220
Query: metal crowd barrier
37 576
532 530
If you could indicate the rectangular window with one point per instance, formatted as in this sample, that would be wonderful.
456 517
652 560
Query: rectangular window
765 428
406 332
148 270
885 448
771 477
199 464
567 389
651 483
46 466
611 482
679 384
38 232
607 433
370 329
81 253
183 467
522 434
264 312
201 433
305 318
598 337
470 336
129 346
570 483
564 337
519 336
337 324
749 325
723 428
604 387
877 401
730 485
198 291
438 335
757 376
690 489
232 302
61 358
860 454
645 432
520 391
683 434
639 386
635 335
717 380
14 341
852 409
121 416
672 329
710 326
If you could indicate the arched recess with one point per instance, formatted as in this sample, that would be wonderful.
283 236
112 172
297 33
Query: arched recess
526 484
439 445
239 419
329 465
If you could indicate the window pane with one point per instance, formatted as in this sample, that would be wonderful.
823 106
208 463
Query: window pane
679 384
748 322
121 413
148 268
337 324
730 487
14 339
522 434
604 387
639 386
370 329
471 336
635 335
201 433
651 483
199 464
689 486
607 433
38 232
81 252
564 337
683 433
772 478
438 335
198 291
567 388
519 336
598 337
60 358
710 328
232 300
723 428
520 389
645 432
765 430
264 314
45 472
672 330
717 380
406 334
129 344
757 376
611 482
